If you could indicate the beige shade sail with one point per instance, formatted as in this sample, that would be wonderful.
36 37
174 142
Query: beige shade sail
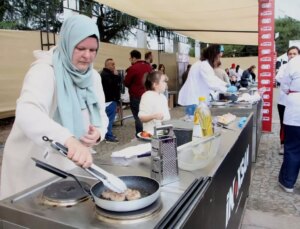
211 21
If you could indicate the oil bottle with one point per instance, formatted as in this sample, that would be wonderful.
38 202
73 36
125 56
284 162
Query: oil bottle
203 126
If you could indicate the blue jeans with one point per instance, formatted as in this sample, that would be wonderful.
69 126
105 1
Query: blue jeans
135 108
111 114
291 159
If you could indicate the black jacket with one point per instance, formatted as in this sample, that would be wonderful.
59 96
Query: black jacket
111 85
245 78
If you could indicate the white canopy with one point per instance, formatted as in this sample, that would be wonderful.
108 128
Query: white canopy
211 21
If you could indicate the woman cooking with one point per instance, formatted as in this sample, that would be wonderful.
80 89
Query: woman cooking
62 98
202 80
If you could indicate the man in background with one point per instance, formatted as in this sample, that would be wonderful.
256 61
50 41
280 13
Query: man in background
111 82
148 57
134 80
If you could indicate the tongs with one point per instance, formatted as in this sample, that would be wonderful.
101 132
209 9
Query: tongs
111 181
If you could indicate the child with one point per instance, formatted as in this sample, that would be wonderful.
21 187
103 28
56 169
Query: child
154 105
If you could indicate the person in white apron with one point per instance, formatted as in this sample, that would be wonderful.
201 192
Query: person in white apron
291 52
290 84
202 80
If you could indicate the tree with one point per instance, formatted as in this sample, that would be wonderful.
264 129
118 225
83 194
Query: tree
240 50
31 14
289 29
5 7
192 51
42 15
114 25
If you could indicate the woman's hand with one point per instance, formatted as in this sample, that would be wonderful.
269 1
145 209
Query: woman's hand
79 153
91 137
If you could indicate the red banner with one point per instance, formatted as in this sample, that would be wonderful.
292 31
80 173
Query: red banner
266 55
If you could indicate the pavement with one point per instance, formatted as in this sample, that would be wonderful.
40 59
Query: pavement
268 206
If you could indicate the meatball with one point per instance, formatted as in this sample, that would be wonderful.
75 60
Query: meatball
129 194
110 195
132 194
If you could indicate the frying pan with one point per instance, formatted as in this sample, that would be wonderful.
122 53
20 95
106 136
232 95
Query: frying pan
148 187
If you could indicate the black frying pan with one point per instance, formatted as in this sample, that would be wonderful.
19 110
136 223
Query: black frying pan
148 187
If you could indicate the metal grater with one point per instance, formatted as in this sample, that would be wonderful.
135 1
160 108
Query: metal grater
164 164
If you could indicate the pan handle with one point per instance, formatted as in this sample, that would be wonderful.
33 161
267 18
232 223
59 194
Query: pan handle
60 173
50 168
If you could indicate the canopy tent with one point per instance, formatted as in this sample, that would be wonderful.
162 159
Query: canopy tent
211 21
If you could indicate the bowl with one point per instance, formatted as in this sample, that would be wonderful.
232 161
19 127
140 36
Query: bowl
198 154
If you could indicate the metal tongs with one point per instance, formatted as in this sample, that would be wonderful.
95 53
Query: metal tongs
111 181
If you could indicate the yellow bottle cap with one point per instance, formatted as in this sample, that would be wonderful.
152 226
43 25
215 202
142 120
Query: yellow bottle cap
202 98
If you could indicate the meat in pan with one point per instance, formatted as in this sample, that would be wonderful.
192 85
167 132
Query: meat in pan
129 194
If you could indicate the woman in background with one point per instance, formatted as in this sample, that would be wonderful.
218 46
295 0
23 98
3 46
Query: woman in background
202 79
247 76
162 69
220 72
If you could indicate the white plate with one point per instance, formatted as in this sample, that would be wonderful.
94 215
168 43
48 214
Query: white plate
216 103
144 138
243 89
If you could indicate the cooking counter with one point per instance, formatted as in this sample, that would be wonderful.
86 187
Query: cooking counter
243 110
219 204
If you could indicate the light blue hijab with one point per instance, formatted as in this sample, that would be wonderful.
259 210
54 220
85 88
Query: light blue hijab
74 88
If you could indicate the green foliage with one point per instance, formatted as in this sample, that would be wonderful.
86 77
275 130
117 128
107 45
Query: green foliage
31 14
8 25
240 50
114 25
191 42
289 29
42 15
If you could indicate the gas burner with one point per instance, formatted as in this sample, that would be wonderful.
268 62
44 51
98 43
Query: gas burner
64 194
131 216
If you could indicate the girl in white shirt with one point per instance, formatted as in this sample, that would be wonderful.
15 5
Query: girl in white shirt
154 105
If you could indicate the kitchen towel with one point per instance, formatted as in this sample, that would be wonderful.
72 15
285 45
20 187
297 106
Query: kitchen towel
242 122
133 151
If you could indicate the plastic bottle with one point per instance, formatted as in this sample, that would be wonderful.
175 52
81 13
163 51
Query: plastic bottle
203 126
197 129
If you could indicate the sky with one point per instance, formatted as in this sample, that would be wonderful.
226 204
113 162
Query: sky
289 8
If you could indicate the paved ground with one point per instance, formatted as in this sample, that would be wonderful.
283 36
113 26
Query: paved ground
268 206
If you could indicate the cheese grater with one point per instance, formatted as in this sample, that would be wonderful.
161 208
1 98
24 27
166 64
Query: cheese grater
164 164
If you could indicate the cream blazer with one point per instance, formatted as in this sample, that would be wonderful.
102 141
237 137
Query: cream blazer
35 109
